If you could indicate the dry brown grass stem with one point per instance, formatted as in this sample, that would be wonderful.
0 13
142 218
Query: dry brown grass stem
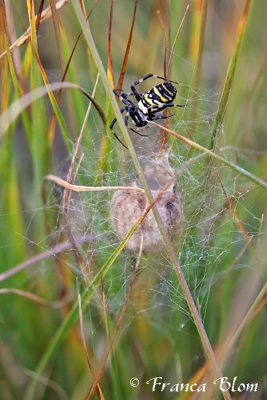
37 299
78 188
46 13
51 252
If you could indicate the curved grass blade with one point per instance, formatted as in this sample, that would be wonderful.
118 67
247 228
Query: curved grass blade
23 102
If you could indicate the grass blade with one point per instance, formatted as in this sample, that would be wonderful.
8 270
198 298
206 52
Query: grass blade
198 64
126 55
216 156
229 78
110 72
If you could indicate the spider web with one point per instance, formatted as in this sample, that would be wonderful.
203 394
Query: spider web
202 246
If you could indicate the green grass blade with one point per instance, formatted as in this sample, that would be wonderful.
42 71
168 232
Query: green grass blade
229 79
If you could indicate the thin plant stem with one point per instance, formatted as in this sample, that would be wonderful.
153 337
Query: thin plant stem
229 78
216 156
126 55
174 42
77 188
198 66
52 252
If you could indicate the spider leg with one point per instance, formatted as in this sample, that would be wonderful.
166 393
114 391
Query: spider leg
124 145
115 119
155 76
179 105
123 97
134 113
137 95
133 94
138 133
138 120
130 109
126 118
166 105
129 93
113 123
153 118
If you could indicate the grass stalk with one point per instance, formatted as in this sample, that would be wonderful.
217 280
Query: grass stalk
216 156
229 78
198 65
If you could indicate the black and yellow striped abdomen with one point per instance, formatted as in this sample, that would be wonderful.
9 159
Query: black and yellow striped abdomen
157 98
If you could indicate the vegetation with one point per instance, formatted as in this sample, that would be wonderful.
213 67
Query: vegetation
82 316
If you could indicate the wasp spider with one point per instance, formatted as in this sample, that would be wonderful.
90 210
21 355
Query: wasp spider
148 104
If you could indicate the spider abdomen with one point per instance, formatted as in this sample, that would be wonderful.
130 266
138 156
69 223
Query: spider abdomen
157 98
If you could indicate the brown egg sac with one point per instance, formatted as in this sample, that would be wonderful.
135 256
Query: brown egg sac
127 206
